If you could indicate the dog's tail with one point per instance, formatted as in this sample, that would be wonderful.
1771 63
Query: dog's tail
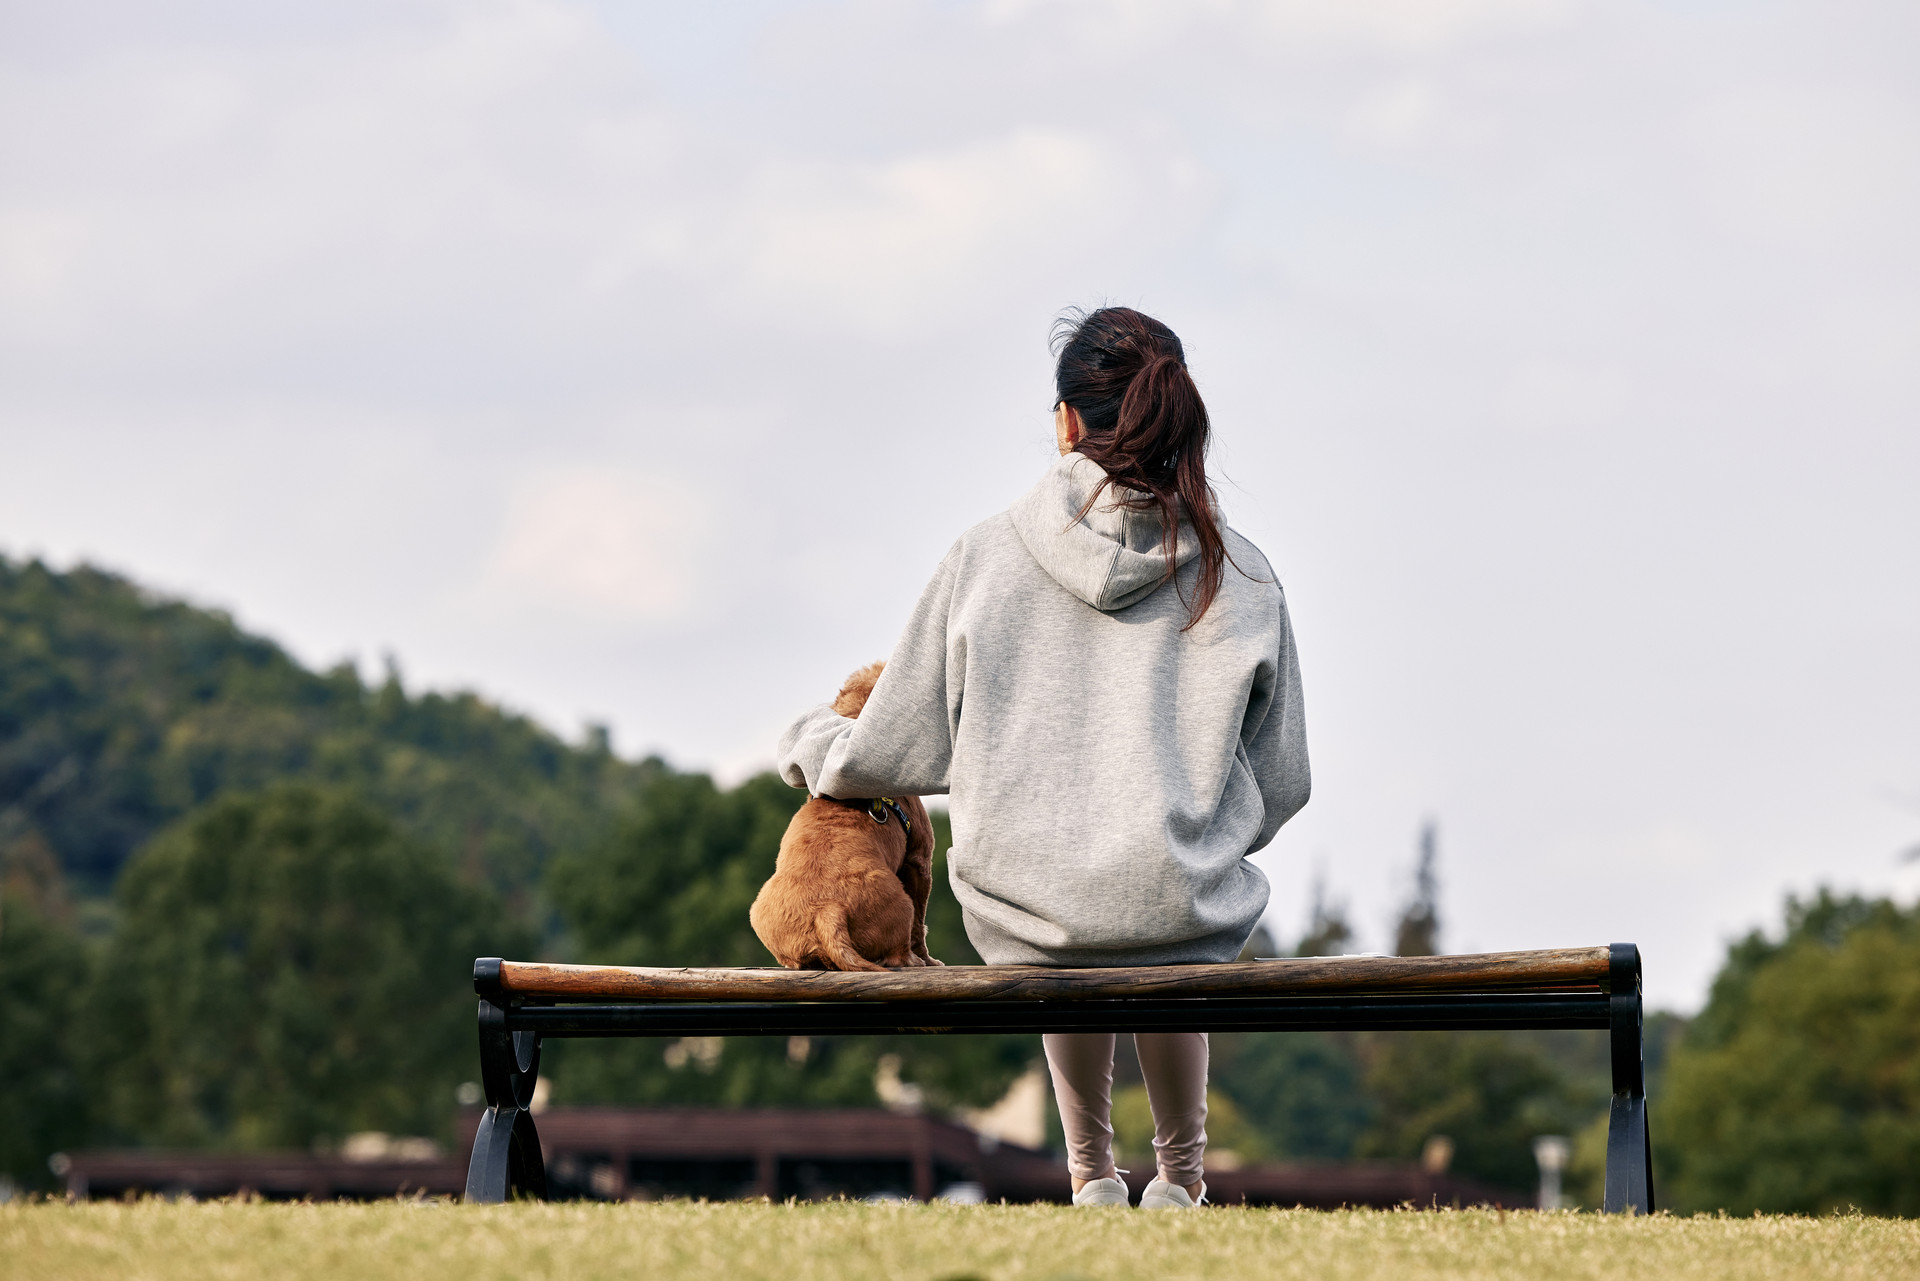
836 944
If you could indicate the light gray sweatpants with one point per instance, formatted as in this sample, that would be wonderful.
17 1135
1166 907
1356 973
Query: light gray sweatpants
1175 1067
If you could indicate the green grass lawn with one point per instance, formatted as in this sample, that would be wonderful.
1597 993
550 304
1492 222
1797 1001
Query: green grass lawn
583 1242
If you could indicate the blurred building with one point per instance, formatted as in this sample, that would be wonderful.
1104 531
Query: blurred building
811 1154
273 1176
729 1154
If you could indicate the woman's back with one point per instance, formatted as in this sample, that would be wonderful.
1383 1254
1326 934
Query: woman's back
1110 767
1115 711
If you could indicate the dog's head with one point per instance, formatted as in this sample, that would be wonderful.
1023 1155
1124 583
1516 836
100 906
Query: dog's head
853 695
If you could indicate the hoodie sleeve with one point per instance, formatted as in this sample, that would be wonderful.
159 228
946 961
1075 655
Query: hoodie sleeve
1275 737
902 742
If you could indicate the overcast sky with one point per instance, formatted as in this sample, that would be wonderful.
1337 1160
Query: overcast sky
637 363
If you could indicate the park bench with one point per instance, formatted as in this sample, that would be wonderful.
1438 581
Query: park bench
522 1003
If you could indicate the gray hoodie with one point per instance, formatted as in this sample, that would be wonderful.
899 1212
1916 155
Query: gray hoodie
1108 773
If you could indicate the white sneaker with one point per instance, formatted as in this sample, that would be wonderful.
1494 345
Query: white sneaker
1161 1195
1102 1192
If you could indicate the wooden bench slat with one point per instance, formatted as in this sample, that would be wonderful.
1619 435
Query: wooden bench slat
1582 967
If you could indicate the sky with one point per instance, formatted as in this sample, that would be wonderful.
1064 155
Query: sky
636 363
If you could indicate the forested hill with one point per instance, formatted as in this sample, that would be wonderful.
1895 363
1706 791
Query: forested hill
120 710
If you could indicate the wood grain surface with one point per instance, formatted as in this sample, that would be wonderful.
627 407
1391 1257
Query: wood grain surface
1558 969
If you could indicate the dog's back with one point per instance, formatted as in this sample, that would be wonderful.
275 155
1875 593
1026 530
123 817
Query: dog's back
836 900
849 888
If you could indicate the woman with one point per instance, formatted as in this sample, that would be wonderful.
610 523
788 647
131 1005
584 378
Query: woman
1115 714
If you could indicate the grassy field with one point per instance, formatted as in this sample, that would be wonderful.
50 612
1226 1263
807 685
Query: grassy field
840 1242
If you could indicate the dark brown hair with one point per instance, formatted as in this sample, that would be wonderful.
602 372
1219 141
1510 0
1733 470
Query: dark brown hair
1125 374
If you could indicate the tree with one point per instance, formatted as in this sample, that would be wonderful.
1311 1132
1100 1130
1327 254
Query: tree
1798 1087
1328 933
43 969
1418 933
289 968
670 885
1488 1092
1304 1093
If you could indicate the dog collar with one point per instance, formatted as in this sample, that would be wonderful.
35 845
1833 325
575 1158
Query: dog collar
876 809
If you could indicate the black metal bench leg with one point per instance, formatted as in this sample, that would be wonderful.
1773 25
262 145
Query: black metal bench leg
506 1149
1629 1149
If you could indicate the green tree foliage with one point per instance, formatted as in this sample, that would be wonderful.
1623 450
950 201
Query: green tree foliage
1321 1096
1303 1093
1328 931
1798 1087
1489 1092
43 967
289 967
670 885
120 711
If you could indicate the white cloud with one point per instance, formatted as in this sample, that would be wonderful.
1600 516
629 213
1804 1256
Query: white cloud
602 546
1405 24
881 238
1559 395
1804 166
1395 115
1315 26
38 251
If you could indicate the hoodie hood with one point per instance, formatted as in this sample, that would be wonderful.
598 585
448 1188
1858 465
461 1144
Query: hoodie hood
1111 557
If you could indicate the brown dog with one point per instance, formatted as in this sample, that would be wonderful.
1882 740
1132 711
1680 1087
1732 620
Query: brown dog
849 890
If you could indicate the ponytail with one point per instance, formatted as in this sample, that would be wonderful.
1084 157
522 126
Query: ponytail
1126 375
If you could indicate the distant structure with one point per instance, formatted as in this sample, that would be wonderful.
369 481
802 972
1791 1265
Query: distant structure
643 1154
1551 1152
1418 933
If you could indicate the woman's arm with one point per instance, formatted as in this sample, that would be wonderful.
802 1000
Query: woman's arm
902 742
1275 734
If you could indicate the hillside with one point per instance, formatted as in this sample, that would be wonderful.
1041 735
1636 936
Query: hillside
121 710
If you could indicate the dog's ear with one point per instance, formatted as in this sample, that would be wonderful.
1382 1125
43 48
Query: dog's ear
853 695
